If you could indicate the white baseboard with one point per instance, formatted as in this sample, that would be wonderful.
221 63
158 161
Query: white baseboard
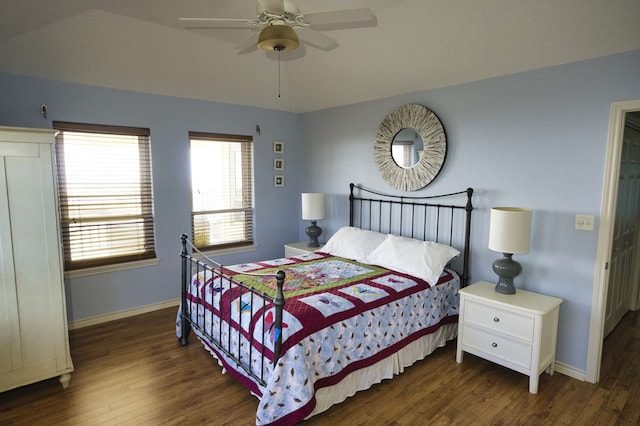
122 314
560 367
570 371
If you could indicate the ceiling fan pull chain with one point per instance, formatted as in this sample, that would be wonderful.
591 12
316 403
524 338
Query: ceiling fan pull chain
278 74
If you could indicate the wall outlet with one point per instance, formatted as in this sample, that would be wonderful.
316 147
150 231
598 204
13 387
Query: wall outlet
585 222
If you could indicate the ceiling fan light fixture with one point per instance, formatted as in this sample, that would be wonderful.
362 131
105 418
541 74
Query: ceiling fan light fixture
278 37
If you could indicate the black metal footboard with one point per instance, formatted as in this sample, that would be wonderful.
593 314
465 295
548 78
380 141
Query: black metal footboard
217 325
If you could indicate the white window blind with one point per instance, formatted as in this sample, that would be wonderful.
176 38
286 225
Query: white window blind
222 190
106 199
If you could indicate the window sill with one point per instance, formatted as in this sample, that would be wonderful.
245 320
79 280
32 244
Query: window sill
222 252
111 268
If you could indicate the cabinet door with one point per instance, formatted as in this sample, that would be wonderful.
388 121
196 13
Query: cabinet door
36 292
10 358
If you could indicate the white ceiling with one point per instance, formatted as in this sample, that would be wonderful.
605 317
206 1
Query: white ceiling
415 45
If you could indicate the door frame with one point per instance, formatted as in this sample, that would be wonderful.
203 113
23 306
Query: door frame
605 235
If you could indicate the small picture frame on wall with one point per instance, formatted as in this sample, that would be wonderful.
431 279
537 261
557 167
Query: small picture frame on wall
278 181
278 147
278 164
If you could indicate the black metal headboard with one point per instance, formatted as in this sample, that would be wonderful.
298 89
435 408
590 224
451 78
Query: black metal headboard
430 218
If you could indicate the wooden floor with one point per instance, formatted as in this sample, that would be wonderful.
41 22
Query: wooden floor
135 373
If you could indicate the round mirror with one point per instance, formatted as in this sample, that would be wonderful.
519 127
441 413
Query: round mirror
415 167
407 148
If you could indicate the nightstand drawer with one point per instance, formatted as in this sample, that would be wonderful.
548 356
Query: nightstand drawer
499 320
495 345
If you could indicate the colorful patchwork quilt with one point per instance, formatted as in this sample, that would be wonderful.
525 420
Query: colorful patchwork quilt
339 316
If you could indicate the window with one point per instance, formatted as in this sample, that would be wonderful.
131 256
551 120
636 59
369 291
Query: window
222 190
106 200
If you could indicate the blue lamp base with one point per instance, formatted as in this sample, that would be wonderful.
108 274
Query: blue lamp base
506 269
313 232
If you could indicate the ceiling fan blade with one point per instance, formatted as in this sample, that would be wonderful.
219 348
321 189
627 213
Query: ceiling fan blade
273 6
250 44
316 39
341 17
217 23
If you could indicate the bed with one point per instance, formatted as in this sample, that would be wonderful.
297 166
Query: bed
306 332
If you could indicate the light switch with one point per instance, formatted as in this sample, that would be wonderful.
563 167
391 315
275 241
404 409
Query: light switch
585 222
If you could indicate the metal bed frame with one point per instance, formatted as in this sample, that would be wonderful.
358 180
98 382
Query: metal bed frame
385 213
426 219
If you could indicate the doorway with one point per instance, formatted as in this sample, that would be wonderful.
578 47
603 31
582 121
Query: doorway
617 119
622 288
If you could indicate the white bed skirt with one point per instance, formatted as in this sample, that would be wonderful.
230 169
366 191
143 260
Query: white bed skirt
384 369
364 378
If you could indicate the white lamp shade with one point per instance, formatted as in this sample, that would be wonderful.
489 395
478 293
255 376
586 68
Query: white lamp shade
313 206
509 230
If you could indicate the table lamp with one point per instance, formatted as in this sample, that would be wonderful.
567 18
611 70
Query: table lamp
313 210
509 232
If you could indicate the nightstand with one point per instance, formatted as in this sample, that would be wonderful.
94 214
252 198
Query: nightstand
517 330
296 249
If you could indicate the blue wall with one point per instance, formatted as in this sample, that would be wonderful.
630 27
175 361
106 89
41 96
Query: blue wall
536 139
170 120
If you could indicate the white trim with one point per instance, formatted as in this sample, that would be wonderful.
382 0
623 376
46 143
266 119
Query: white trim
605 235
221 252
122 314
111 268
569 370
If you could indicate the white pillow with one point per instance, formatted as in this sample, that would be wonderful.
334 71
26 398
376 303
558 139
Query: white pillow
422 259
353 243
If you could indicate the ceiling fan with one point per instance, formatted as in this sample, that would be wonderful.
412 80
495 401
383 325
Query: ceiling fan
279 25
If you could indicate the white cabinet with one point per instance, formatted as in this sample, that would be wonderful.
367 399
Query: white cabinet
296 249
34 342
517 330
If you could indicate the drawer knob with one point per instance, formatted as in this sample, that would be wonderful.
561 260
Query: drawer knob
494 345
496 319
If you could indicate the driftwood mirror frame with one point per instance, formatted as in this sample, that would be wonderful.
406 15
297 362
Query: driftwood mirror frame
428 126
